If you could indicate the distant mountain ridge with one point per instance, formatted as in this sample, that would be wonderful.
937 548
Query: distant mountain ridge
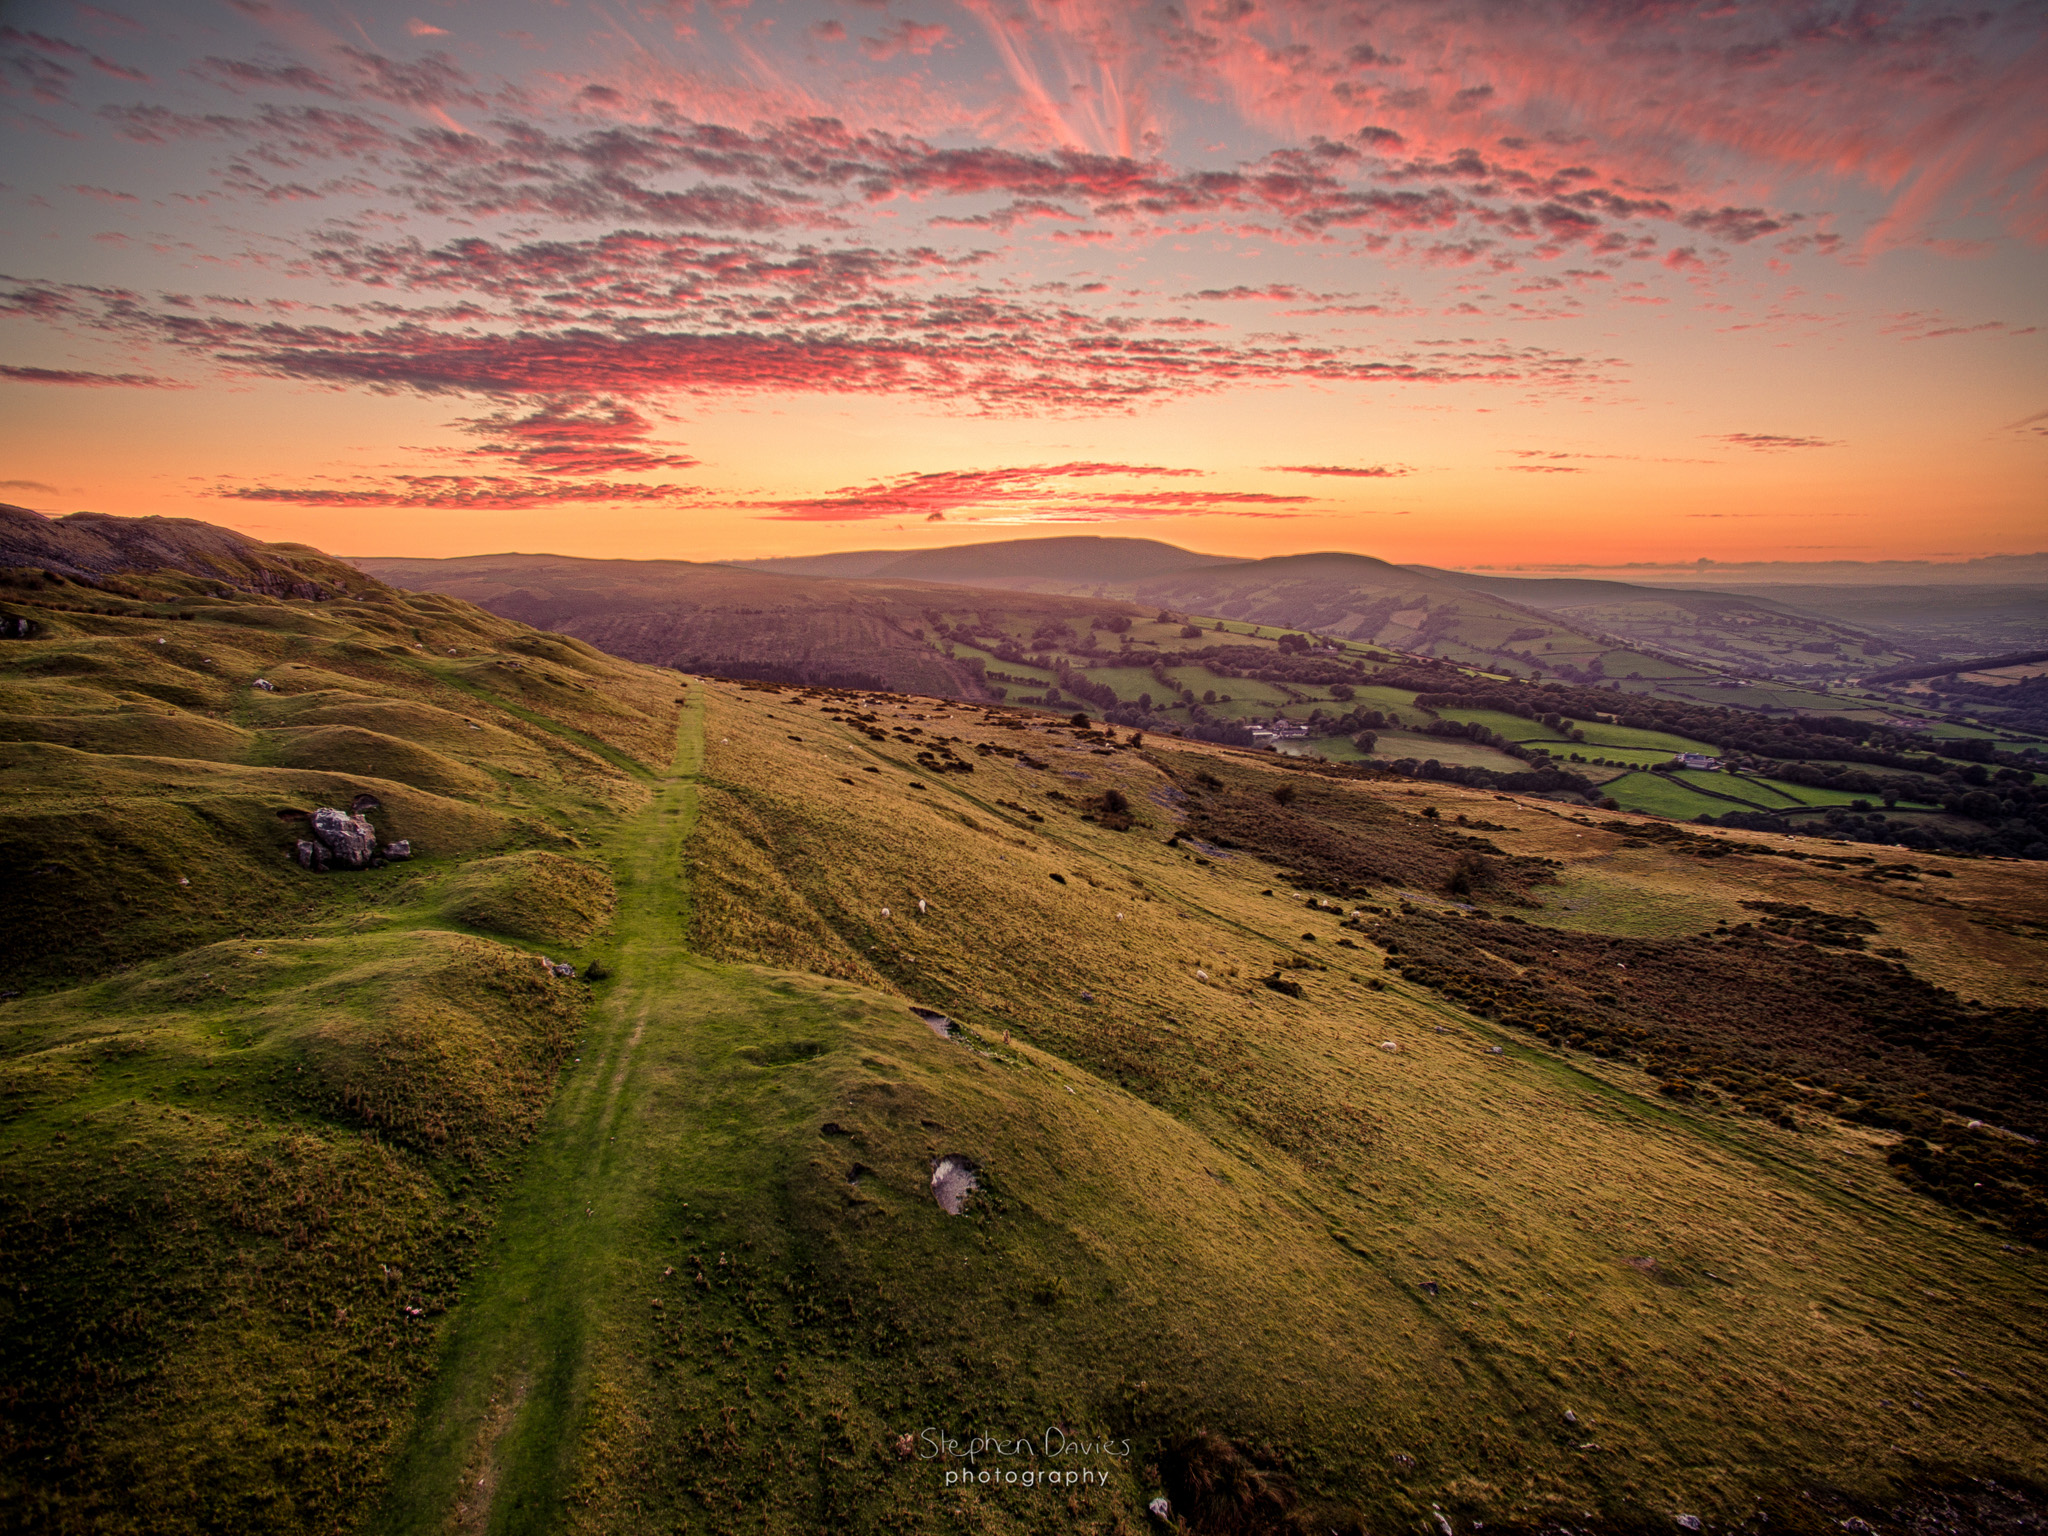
92 546
1069 557
728 620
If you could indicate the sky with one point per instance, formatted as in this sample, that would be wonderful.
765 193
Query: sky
1501 283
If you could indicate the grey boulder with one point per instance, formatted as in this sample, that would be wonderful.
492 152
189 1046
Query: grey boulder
349 840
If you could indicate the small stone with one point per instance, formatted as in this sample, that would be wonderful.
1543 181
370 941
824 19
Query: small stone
1573 1418
1159 1510
1690 1522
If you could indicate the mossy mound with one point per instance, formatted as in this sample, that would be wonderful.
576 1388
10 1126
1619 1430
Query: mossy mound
539 897
425 725
242 1186
151 732
351 749
118 858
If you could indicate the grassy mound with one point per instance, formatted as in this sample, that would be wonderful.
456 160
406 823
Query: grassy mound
241 1187
154 733
351 749
540 897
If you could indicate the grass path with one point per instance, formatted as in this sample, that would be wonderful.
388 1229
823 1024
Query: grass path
493 1446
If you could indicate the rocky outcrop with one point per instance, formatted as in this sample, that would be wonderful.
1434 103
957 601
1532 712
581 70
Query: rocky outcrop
402 849
351 841
341 841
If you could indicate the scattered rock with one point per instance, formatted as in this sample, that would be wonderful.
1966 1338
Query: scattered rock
1690 1522
1390 1045
1087 997
937 1022
952 1182
1429 1288
310 855
1160 1510
265 685
1573 1418
402 849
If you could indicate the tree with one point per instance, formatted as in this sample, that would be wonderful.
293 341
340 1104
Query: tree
1344 693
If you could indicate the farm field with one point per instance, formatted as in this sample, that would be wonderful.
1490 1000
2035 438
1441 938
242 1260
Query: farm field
1394 745
1658 795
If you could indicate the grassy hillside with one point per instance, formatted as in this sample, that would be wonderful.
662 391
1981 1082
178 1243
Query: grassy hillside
1350 1153
256 1122
729 621
1723 631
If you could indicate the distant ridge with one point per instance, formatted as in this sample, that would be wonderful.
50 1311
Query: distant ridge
92 545
1067 558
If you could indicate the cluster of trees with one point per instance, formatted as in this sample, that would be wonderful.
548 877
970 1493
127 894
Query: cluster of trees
1537 781
1202 726
1996 833
2020 706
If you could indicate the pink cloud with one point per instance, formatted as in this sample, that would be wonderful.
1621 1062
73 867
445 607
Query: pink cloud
1772 442
460 493
75 378
1361 472
905 36
1037 493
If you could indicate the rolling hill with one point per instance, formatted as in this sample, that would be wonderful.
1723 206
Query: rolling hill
1088 559
1732 631
957 1090
1674 639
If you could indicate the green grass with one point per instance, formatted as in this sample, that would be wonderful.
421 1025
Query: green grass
1600 734
1807 794
1391 746
1660 796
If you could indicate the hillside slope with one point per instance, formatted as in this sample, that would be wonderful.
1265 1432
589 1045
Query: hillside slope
1347 1152
1732 630
1342 1244
723 620
255 1120
1072 558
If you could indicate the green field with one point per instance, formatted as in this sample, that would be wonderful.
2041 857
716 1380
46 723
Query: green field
1394 745
1513 727
1766 794
1660 796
